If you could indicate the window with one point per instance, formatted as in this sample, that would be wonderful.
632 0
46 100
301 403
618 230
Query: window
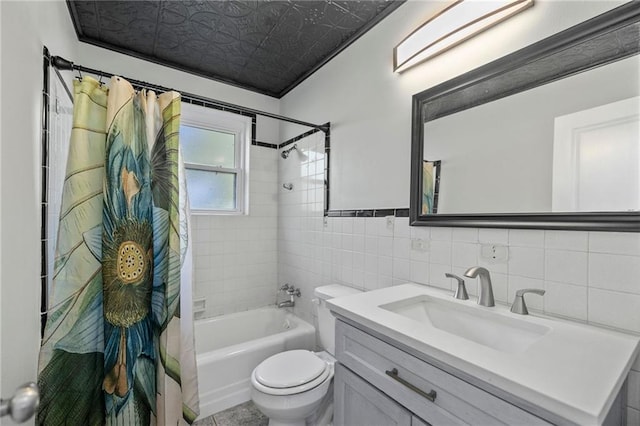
215 149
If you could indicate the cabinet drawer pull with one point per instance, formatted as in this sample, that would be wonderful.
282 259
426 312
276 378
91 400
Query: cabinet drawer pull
431 396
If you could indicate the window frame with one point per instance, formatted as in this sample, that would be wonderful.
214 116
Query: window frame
225 122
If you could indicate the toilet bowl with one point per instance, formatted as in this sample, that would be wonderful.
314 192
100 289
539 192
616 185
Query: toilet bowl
292 386
295 388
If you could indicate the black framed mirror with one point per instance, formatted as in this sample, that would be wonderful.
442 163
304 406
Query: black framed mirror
556 169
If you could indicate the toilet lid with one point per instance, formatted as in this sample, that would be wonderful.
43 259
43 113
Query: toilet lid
289 369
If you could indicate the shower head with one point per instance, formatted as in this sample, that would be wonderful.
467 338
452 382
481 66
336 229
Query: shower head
284 154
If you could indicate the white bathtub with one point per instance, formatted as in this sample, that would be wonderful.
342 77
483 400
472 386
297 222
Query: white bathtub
229 347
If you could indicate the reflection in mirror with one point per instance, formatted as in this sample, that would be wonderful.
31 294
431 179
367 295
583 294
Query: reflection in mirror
547 137
596 158
430 186
548 149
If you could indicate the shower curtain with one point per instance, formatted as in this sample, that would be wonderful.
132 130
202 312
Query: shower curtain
118 344
428 187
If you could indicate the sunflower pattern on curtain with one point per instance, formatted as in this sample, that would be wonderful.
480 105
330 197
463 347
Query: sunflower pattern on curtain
115 348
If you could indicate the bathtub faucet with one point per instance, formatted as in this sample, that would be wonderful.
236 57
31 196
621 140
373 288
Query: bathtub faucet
292 292
287 304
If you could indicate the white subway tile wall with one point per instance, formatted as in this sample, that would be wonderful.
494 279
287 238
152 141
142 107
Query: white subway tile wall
304 249
582 285
236 257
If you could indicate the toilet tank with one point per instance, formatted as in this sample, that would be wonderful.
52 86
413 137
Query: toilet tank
326 321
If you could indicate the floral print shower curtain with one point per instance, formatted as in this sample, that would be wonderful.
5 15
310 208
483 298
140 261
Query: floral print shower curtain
118 343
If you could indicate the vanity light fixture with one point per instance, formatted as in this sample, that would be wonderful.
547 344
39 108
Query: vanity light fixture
454 24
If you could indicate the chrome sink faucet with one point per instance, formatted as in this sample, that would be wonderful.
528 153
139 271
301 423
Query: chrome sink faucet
485 297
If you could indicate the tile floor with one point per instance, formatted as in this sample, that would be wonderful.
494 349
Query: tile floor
245 414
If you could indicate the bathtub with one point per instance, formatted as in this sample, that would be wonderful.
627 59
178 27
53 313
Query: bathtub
229 347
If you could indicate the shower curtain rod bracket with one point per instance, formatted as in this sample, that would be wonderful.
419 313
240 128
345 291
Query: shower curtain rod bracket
62 64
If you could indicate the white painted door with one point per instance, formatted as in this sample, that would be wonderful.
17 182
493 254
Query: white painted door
596 159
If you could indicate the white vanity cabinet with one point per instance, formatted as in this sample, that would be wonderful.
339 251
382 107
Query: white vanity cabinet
377 384
452 362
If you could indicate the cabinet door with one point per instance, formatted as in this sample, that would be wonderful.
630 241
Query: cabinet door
357 403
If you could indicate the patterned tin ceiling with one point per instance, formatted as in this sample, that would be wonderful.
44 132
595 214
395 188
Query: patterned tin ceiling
265 46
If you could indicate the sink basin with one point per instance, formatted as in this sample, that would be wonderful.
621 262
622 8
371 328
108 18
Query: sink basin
494 330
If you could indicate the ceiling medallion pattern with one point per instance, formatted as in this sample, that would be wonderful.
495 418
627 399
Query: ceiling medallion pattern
265 46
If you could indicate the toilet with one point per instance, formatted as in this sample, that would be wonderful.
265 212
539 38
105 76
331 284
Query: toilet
295 388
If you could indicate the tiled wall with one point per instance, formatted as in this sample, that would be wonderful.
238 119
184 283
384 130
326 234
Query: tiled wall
301 260
591 277
235 257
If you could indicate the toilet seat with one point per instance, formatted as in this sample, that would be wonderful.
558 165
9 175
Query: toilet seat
290 372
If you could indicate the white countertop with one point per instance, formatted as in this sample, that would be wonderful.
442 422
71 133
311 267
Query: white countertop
574 371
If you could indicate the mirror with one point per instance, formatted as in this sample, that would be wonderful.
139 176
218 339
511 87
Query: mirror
490 150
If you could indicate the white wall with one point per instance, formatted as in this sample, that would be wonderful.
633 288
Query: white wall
25 27
370 107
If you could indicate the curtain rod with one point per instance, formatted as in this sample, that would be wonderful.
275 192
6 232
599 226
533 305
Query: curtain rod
65 65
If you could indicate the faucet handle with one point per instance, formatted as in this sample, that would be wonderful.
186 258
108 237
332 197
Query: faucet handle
519 306
461 292
292 291
285 287
524 291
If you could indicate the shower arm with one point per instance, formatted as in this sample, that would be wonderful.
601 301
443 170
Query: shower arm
285 153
